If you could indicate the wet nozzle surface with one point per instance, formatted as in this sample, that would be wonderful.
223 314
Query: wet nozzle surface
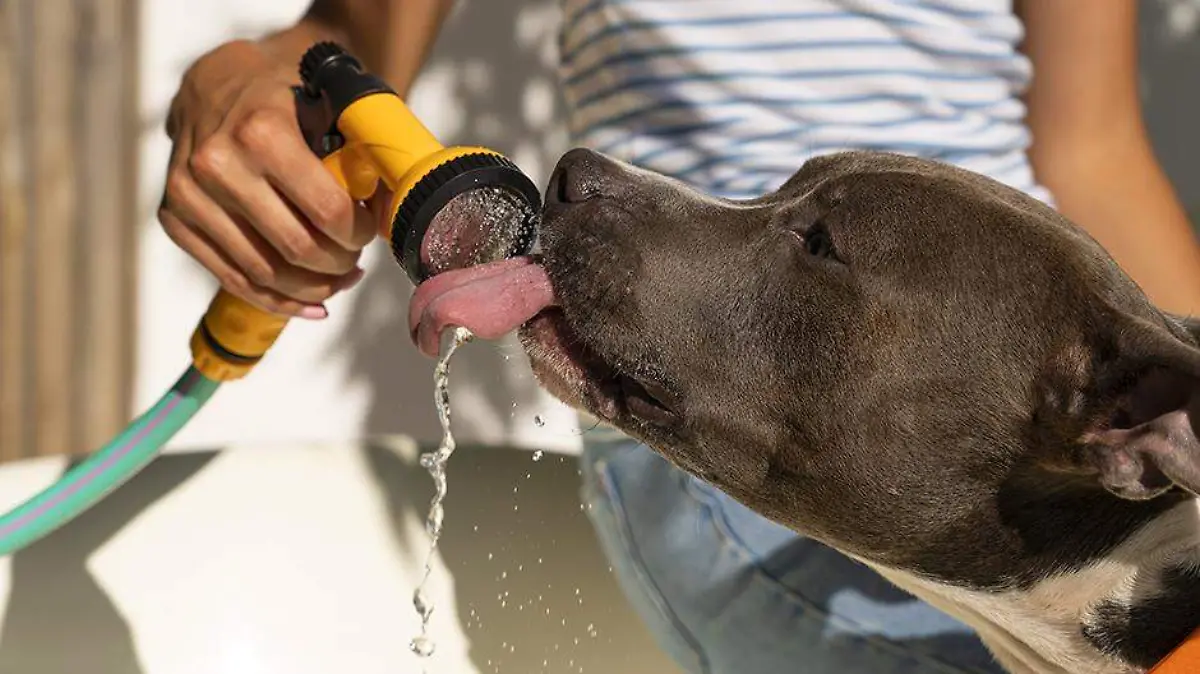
471 210
480 225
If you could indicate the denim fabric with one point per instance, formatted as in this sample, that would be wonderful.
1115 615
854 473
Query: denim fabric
726 591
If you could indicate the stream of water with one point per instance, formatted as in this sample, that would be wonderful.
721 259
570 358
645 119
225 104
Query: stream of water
435 463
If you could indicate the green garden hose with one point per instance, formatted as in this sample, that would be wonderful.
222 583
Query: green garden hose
108 468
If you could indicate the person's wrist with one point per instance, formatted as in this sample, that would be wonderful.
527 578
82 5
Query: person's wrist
287 46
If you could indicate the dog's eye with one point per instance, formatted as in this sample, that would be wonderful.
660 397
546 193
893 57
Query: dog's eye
817 241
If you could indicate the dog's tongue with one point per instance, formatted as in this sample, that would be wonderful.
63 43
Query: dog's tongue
490 300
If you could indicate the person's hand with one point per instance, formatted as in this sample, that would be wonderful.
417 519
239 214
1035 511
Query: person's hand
247 198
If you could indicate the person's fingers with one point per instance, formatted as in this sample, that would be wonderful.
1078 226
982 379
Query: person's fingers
289 165
218 167
379 207
250 253
365 227
197 244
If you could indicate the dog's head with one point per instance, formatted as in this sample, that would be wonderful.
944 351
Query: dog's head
900 358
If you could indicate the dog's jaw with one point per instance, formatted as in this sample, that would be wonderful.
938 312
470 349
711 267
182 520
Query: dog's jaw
566 368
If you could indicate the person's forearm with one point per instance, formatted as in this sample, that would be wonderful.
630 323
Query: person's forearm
1091 149
392 37
1117 191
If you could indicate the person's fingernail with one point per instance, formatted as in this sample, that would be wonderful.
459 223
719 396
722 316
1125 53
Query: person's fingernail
314 312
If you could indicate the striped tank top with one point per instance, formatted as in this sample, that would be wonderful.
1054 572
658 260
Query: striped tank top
732 96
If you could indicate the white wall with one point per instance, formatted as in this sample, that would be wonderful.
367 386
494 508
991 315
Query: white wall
490 82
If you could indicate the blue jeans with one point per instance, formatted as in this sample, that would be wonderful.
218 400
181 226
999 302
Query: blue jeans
726 591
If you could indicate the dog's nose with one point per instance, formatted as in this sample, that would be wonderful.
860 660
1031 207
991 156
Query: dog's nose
579 176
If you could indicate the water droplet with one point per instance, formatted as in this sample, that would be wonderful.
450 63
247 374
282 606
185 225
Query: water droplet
423 646
537 456
433 525
539 421
421 603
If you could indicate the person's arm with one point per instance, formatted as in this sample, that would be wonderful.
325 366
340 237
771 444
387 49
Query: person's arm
244 195
1090 146
393 38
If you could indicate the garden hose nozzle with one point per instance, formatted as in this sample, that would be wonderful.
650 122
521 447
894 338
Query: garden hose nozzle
449 207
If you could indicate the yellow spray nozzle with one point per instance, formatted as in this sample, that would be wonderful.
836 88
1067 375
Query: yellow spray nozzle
364 134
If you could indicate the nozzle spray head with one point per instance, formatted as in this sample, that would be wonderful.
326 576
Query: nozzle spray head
452 207
474 209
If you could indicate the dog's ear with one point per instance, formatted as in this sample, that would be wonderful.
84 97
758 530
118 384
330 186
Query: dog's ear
1147 443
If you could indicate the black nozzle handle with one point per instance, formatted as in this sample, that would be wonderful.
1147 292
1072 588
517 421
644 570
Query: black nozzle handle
332 79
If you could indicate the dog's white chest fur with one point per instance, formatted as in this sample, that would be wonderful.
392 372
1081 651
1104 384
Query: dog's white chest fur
1039 630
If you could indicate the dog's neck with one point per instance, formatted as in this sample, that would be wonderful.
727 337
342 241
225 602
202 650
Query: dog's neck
1116 616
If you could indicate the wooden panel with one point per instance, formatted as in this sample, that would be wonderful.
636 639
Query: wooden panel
107 178
13 240
68 147
55 147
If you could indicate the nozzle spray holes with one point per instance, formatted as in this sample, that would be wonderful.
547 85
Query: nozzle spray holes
477 226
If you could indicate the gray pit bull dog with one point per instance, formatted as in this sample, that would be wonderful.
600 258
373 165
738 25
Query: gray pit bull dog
927 370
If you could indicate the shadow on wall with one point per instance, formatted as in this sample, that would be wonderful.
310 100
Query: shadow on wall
1170 50
495 61
531 582
58 618
534 592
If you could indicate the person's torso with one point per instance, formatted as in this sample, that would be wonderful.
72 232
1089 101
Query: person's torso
733 95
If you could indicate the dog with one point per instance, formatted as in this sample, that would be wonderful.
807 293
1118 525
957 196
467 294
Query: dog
916 365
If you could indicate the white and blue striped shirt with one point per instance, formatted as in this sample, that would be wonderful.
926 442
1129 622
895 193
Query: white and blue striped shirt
733 95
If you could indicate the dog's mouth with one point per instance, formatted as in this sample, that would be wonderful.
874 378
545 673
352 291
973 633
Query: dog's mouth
494 299
577 374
